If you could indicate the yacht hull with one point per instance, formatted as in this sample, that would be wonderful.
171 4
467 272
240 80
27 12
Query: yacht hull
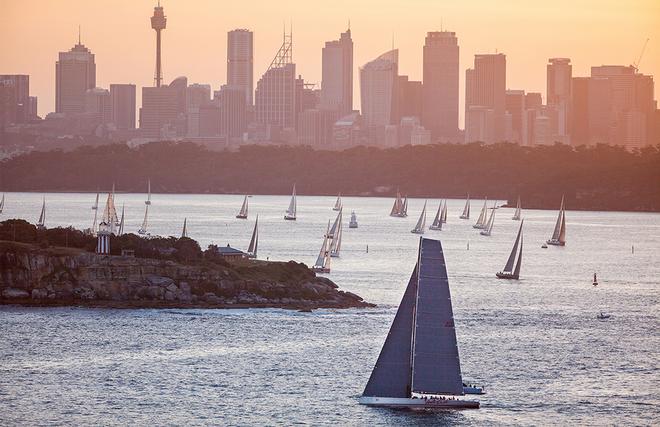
555 242
509 276
418 404
289 218
320 270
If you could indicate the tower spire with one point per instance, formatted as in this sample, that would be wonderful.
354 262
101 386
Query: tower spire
79 34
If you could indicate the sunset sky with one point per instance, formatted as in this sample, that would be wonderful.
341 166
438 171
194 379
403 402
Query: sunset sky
590 32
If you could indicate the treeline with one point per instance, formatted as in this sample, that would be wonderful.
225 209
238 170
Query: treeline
596 178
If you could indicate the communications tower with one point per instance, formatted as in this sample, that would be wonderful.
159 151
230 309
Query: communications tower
158 23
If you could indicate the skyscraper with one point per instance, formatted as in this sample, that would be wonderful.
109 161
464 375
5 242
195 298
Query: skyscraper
337 75
163 109
15 98
276 95
122 98
75 73
240 53
485 99
440 80
559 77
378 90
97 105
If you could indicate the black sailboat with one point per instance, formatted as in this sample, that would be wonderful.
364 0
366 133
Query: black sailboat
509 271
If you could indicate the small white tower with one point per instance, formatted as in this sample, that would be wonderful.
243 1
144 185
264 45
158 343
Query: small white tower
103 239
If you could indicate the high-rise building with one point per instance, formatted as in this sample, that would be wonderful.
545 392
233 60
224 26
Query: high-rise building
197 96
558 97
75 73
579 114
163 109
15 99
233 112
379 92
485 89
515 105
337 75
440 80
277 94
98 105
410 97
240 53
122 98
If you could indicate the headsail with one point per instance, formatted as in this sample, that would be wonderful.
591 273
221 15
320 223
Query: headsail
254 241
437 221
184 232
421 222
466 209
483 216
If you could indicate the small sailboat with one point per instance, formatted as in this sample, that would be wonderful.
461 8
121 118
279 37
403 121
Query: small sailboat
399 208
95 206
2 203
337 205
184 231
335 226
120 229
466 209
291 211
110 216
443 216
419 365
243 214
483 217
41 224
595 282
488 229
145 221
509 271
322 264
559 234
353 223
437 221
335 244
254 240
148 201
421 222
516 214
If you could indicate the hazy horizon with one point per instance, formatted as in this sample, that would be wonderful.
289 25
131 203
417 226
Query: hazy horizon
194 43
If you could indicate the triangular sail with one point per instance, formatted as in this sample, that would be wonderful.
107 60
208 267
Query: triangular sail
562 230
254 241
42 215
443 216
323 258
404 209
145 221
516 271
120 230
335 225
184 232
397 206
517 213
110 216
337 203
2 203
421 222
466 209
244 208
514 251
558 224
291 211
437 221
95 206
481 221
491 220
391 374
335 246
436 368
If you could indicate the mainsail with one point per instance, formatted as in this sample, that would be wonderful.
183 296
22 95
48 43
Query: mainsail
466 209
483 216
291 211
335 244
110 212
489 225
404 209
559 233
244 209
145 221
443 216
254 241
335 225
508 268
437 221
516 215
420 354
42 216
337 203
323 260
397 207
421 222
184 232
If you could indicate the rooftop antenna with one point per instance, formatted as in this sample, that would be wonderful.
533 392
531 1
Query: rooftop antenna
349 24
441 28
392 40
79 34
639 59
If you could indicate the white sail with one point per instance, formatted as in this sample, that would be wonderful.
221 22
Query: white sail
184 232
483 216
437 221
322 263
421 222
466 209
559 233
120 229
443 216
42 216
243 214
397 207
335 245
254 241
2 203
508 268
404 209
337 203
489 225
517 213
145 221
335 225
110 216
291 211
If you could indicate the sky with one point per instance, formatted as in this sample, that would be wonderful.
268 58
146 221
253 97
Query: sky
590 32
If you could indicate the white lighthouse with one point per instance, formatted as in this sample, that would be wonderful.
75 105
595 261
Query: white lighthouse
103 239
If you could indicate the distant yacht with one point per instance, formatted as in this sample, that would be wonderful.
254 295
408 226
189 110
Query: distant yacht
148 201
421 222
41 224
602 316
2 203
516 215
145 221
437 221
466 209
336 234
337 205
559 234
293 205
353 223
95 206
483 216
509 271
400 207
488 229
243 214
322 264
110 216
184 231
419 366
595 282
254 240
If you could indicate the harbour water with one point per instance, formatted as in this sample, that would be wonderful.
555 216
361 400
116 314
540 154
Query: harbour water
535 343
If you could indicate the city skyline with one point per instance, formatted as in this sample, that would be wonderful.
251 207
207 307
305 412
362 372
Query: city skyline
206 63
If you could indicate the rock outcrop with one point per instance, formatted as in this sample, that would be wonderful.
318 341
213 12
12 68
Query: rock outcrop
30 275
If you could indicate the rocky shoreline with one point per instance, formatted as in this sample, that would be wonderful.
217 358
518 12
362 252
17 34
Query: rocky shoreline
56 276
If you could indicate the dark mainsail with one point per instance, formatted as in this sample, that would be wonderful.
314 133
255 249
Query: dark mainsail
436 367
391 375
509 264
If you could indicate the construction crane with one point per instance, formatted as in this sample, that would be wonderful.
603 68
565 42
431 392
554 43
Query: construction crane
636 64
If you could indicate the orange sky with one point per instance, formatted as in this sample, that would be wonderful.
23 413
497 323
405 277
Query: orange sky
590 32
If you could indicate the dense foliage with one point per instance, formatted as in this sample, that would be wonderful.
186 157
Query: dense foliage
600 178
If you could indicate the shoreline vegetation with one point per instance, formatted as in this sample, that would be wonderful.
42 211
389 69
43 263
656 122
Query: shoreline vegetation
602 178
58 267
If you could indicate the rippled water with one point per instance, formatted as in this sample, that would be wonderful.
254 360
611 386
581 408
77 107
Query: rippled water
535 343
